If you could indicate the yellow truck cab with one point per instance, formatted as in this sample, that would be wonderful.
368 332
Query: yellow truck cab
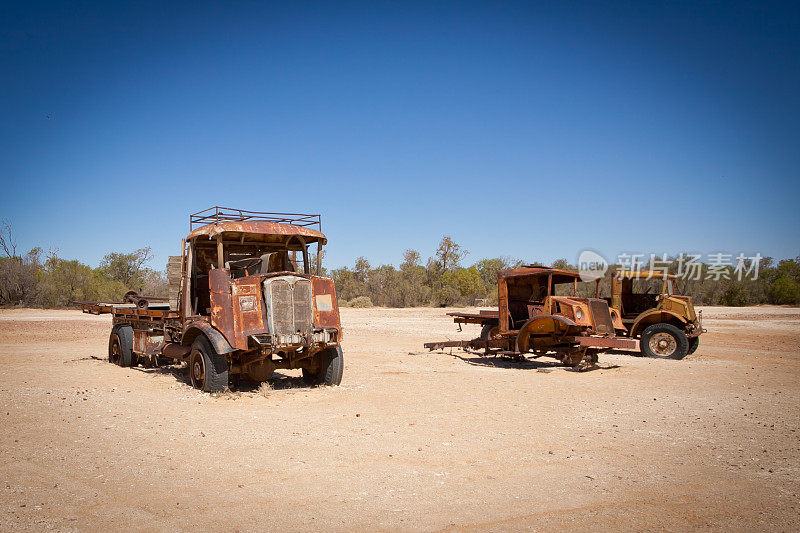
666 324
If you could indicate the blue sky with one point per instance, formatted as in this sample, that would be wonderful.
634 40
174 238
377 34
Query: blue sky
531 130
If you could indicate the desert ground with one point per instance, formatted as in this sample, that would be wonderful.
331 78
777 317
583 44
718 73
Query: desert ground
411 440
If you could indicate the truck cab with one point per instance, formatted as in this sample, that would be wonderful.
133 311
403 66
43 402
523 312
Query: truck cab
666 323
530 292
251 295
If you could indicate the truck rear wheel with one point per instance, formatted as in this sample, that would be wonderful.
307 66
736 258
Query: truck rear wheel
489 331
208 370
330 370
664 341
120 346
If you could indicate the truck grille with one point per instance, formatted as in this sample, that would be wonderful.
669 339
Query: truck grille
303 311
601 316
289 303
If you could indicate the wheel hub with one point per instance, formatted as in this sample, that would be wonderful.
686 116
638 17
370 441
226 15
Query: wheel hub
198 372
115 352
663 344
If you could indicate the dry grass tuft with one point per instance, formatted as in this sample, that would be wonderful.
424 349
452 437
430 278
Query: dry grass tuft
226 394
265 389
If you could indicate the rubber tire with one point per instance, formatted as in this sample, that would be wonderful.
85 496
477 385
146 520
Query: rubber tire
694 342
123 335
485 331
681 340
215 365
331 369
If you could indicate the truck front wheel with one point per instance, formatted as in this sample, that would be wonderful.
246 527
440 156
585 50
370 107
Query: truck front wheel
330 369
664 341
120 346
208 370
694 343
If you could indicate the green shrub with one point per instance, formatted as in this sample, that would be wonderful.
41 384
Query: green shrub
734 296
784 291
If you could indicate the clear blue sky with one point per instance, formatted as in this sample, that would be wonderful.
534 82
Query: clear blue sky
530 129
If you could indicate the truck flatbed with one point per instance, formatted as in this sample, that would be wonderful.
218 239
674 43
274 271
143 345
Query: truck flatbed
481 317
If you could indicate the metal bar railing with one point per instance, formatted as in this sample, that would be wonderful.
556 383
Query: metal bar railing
216 214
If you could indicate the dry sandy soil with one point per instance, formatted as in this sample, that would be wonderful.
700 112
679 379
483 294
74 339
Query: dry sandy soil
411 440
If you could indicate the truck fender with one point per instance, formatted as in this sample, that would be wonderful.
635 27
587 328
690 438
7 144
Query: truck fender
530 325
217 339
654 316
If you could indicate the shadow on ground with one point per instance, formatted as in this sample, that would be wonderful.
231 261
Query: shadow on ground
278 381
518 363
180 372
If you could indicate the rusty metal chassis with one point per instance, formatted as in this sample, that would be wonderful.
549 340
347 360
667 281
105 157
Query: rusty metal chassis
561 345
155 323
587 341
288 357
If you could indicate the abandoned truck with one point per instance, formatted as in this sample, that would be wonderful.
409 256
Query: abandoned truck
666 323
532 319
243 302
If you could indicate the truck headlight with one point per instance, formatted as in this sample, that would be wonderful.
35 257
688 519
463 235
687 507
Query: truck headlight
578 313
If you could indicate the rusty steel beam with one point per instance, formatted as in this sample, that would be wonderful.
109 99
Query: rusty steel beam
474 344
608 342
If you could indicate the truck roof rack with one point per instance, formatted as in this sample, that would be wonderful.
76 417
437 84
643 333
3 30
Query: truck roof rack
216 214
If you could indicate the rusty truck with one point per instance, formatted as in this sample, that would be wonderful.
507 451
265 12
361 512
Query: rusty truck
245 299
667 324
540 314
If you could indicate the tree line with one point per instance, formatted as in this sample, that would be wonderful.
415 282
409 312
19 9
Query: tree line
443 281
37 279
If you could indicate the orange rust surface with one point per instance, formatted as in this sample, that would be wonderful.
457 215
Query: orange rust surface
257 227
221 317
247 310
325 319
